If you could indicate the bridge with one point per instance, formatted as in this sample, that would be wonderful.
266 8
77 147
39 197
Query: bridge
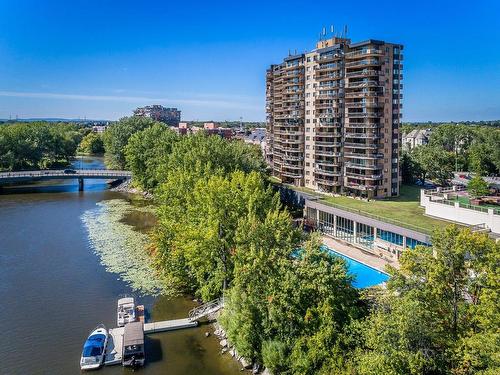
59 174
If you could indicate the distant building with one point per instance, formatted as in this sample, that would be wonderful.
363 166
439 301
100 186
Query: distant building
99 128
170 116
417 137
257 137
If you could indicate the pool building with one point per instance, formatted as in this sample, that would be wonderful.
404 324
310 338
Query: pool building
382 238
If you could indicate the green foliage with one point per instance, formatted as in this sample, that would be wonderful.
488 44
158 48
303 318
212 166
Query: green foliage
146 151
295 305
216 153
37 145
438 308
207 213
275 356
453 147
432 162
477 186
91 143
116 138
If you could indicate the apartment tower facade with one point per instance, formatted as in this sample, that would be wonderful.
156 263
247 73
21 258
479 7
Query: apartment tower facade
333 118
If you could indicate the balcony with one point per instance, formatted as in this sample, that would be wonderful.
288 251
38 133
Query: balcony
322 68
327 153
362 84
290 141
363 135
362 53
328 163
326 172
362 63
327 105
361 145
365 114
328 58
328 125
287 164
363 94
357 155
327 182
329 115
362 166
361 187
327 77
362 125
364 176
365 73
327 144
291 174
364 104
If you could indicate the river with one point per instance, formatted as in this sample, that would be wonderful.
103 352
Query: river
54 288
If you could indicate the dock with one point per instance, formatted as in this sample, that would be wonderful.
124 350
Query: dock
114 348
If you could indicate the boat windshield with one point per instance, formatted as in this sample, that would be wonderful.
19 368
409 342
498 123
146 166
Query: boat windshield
94 345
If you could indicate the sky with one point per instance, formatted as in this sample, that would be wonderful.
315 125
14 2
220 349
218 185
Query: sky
101 59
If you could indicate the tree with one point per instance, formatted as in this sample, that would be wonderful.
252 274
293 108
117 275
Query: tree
37 145
432 162
91 143
116 138
437 308
477 186
199 218
146 151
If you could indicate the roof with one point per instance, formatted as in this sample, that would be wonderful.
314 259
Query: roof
133 334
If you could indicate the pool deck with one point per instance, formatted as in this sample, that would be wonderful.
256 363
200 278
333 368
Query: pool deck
360 255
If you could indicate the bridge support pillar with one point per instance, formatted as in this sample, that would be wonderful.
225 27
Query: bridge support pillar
80 184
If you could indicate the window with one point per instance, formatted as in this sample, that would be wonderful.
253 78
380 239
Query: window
391 237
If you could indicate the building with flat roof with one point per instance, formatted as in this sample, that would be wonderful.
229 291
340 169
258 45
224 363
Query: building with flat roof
333 118
169 116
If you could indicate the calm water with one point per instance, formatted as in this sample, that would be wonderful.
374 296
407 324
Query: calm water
53 289
365 276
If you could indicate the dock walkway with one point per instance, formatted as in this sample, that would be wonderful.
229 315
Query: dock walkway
114 348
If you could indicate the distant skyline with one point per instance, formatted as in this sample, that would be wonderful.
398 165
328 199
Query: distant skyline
102 59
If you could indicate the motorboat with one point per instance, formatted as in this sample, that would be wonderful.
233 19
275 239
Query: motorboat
133 345
126 311
94 349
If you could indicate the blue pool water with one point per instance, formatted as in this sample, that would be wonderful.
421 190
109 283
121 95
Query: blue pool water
365 276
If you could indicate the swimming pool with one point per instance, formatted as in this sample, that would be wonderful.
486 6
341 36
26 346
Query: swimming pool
365 276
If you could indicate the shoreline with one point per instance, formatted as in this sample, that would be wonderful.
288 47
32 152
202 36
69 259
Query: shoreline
126 187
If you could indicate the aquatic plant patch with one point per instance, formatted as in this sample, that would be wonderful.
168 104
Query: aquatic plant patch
120 248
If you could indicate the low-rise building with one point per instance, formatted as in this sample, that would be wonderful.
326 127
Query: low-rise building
416 137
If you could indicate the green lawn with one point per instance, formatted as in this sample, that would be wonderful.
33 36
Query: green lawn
403 210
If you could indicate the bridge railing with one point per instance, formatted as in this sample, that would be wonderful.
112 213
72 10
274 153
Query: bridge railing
61 172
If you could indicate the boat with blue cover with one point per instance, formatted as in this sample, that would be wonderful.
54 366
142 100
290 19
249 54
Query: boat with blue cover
94 349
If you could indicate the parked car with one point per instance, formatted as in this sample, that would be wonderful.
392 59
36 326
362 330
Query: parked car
69 171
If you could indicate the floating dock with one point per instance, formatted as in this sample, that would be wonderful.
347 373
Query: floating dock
114 349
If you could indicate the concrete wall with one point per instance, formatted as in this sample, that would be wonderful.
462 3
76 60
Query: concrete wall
459 214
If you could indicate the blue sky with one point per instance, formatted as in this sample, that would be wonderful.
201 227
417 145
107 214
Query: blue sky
101 59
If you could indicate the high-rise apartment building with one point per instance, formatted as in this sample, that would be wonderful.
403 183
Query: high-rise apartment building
170 116
333 118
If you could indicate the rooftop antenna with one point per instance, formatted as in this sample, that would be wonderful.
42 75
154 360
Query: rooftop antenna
324 31
345 30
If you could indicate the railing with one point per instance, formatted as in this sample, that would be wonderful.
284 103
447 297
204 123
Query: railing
377 217
206 309
57 173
